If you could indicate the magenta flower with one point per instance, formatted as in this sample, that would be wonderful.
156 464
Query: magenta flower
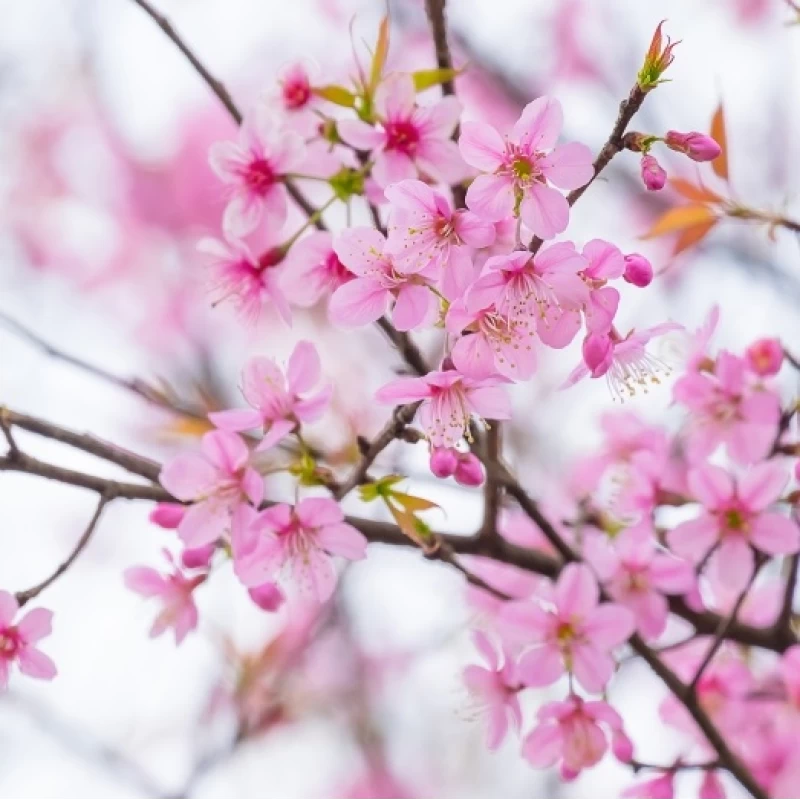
174 591
449 399
764 357
280 403
216 480
313 270
379 281
573 732
572 633
298 541
734 520
254 168
654 175
637 576
638 270
495 691
519 169
250 281
425 231
408 137
698 146
18 642
725 409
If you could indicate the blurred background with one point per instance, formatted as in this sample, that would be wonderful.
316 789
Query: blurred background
104 192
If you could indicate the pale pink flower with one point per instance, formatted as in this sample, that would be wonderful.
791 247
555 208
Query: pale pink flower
764 357
254 167
638 576
734 520
625 362
449 400
296 97
174 591
572 633
495 690
519 169
251 282
298 541
575 733
379 281
280 402
18 642
425 231
659 787
216 481
408 137
726 409
313 270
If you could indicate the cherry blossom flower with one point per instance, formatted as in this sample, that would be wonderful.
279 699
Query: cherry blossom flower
765 357
18 642
251 282
735 519
408 137
280 402
495 690
425 231
254 168
573 633
654 176
659 786
725 409
298 541
379 281
216 480
575 733
519 170
295 94
313 270
174 590
449 399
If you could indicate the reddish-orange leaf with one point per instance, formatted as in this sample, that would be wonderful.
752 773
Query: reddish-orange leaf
697 194
720 163
680 218
692 236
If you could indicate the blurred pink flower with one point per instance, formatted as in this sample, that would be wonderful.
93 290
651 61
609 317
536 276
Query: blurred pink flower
18 642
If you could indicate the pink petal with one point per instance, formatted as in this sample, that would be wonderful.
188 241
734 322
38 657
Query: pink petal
262 381
539 124
204 523
498 727
252 486
441 159
315 575
609 625
651 612
487 650
36 664
568 166
540 666
35 625
403 390
473 356
358 302
361 249
359 135
304 368
440 119
711 485
236 419
277 432
559 327
145 581
545 211
4 668
226 451
392 166
694 538
733 563
593 667
527 618
314 512
242 214
412 195
490 402
576 593
342 540
413 307
481 146
774 534
473 230
762 485
8 608
485 291
491 197
605 259
186 622
542 746
188 476
396 96
671 575
227 160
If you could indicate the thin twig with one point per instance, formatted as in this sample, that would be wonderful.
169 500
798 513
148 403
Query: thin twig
784 620
405 345
491 488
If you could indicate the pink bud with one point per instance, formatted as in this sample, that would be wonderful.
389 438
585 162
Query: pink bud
765 357
198 557
167 515
469 471
638 270
597 353
444 461
268 596
653 174
697 146
621 746
711 786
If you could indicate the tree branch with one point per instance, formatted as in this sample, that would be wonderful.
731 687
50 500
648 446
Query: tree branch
406 347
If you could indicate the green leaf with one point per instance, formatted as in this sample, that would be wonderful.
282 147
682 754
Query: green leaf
426 78
336 94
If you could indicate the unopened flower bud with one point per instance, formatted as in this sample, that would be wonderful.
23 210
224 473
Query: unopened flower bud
597 353
469 471
765 357
167 515
658 58
638 270
697 146
268 596
444 461
198 557
653 174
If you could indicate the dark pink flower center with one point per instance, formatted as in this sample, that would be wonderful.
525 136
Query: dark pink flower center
270 258
337 271
259 176
734 521
401 135
296 94
10 643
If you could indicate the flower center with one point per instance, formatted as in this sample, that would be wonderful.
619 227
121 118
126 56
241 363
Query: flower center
734 520
296 94
565 634
270 258
335 269
9 643
401 135
259 176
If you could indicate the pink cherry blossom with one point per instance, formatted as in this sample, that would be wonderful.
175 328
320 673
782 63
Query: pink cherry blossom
735 519
297 541
575 733
251 282
495 690
216 480
254 167
573 633
408 137
175 591
280 402
313 270
659 787
425 231
765 357
520 169
18 642
726 409
296 97
449 400
379 281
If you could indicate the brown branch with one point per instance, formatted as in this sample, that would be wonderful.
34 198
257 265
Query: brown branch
492 488
784 621
436 19
28 594
405 345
